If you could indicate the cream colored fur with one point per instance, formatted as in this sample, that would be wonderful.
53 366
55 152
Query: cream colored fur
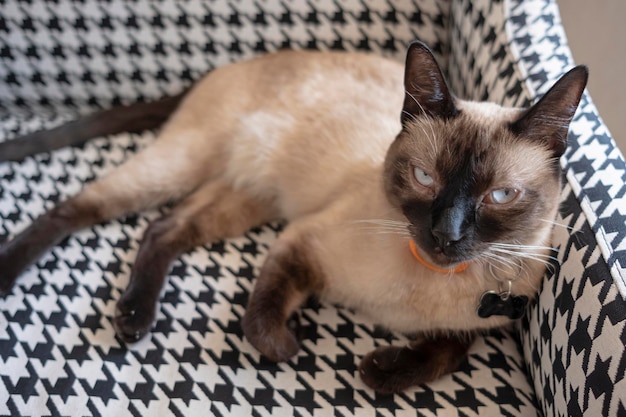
313 153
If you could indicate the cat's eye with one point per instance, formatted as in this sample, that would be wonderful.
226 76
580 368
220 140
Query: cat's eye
423 178
502 196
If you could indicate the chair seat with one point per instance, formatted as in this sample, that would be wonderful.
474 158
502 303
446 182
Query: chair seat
59 352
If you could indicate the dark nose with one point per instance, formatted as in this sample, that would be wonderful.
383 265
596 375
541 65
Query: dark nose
448 230
444 239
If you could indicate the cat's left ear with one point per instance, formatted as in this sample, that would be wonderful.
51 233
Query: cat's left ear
426 90
548 120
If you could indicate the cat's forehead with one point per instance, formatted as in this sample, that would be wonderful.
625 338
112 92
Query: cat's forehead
478 138
479 126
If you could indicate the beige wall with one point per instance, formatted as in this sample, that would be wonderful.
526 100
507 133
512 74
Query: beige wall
596 31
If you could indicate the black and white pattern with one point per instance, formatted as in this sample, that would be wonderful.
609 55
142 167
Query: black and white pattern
594 166
60 356
58 351
66 56
575 334
480 64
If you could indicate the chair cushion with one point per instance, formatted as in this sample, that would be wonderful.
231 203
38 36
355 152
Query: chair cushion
59 354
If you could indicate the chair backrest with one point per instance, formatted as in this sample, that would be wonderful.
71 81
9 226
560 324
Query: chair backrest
68 56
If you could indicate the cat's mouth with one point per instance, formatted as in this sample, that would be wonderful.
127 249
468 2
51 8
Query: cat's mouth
432 252
439 258
449 261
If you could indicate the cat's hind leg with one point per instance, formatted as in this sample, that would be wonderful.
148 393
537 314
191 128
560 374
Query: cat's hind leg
178 162
393 369
288 277
214 211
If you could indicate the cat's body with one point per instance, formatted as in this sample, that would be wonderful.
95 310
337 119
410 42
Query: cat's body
311 137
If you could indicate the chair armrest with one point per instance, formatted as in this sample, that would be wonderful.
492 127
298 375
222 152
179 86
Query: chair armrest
573 338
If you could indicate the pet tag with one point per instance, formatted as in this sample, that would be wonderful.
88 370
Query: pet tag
502 304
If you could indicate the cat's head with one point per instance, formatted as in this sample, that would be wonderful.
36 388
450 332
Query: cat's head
469 176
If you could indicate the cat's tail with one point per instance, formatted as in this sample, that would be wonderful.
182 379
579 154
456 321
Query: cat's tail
133 118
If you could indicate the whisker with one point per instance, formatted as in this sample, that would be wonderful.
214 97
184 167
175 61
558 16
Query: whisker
524 271
422 109
523 249
498 262
379 221
382 226
499 255
415 100
387 232
412 116
555 223
520 246
539 257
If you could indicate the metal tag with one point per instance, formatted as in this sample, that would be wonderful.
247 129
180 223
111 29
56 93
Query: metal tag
502 304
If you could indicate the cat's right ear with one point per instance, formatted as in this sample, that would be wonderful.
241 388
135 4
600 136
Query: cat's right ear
426 90
548 120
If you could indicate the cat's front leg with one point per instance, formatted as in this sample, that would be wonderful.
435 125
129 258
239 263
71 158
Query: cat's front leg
392 369
288 276
214 211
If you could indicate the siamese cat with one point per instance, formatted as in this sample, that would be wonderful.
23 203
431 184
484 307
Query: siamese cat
430 214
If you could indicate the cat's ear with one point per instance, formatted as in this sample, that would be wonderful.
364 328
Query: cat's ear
548 120
426 91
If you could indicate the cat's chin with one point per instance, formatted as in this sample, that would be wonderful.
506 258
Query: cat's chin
438 258
444 261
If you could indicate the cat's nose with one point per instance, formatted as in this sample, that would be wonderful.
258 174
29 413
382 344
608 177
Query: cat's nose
445 240
449 229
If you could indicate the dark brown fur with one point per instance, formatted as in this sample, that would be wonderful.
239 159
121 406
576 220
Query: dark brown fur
213 212
133 118
288 278
44 232
391 369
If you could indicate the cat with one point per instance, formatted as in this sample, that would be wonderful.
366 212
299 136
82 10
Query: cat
428 213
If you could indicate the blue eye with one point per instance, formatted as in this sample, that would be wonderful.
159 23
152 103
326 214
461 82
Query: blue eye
423 178
502 196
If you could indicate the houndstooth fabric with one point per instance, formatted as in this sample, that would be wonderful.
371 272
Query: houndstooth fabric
59 354
58 351
574 336
69 56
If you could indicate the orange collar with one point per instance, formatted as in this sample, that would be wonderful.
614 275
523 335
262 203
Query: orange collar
460 268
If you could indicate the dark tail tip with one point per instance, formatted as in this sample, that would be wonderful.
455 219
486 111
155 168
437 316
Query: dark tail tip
133 118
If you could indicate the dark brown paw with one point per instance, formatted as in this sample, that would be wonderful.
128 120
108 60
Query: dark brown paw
5 286
276 341
132 321
391 369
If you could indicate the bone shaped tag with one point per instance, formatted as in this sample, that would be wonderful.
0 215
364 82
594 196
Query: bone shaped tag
502 304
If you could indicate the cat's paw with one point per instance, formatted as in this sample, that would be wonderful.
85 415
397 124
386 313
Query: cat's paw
6 284
132 320
391 369
277 342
